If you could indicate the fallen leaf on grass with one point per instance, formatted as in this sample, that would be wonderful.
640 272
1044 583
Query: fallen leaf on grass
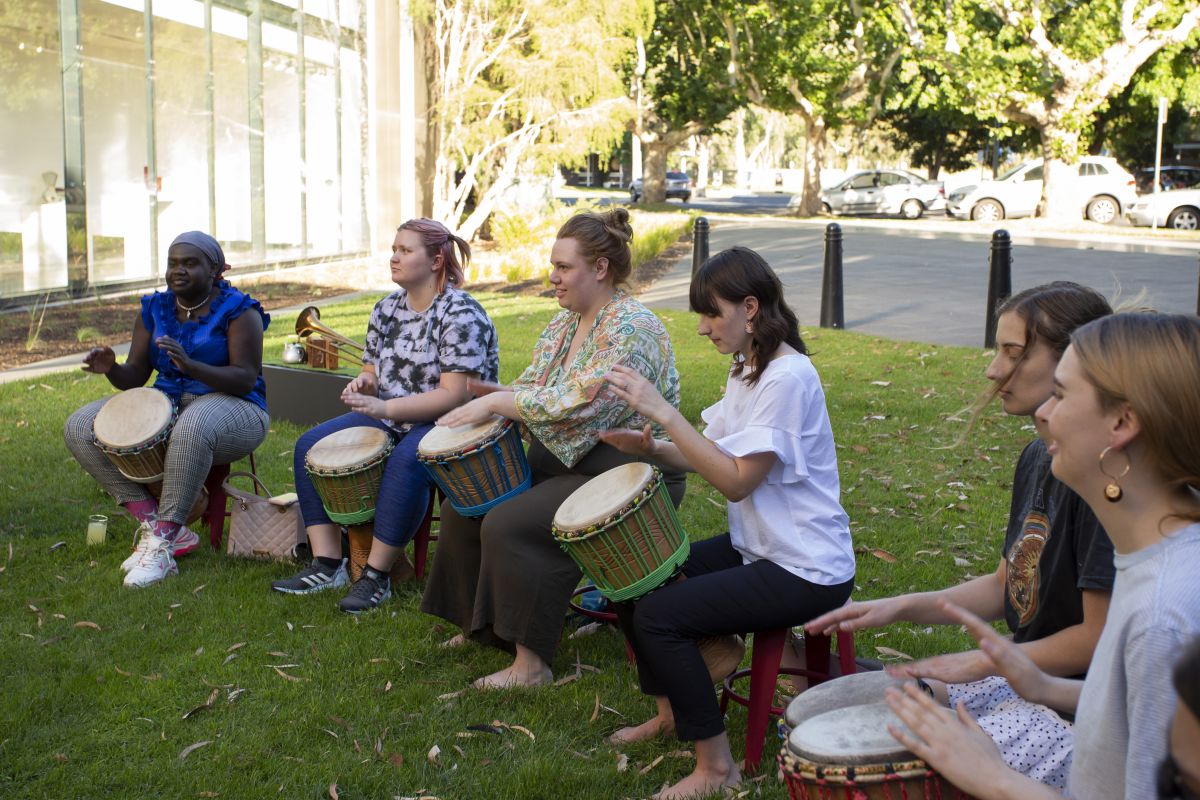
61 758
387 687
681 754
57 545
233 647
52 640
497 723
884 555
889 651
333 792
212 698
451 695
462 753
433 755
33 608
961 562
622 762
378 660
884 384
485 729
199 588
596 710
396 760
229 658
83 623
290 626
234 695
283 674
278 654
122 672
187 751
928 553
578 754
644 770
331 733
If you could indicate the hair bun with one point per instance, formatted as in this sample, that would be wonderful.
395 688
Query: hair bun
617 222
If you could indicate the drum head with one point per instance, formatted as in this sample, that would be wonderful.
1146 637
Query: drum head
443 441
858 689
347 448
602 496
849 736
133 417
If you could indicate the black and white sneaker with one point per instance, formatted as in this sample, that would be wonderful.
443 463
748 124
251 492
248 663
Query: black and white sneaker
316 577
371 589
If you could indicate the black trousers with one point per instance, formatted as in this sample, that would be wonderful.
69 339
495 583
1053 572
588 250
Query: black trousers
720 596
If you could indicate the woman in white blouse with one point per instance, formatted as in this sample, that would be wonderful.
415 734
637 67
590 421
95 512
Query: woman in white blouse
768 447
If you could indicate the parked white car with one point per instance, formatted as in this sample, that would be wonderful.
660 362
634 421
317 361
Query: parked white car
1179 209
882 191
1102 188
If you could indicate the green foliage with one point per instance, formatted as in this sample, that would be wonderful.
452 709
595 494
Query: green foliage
98 713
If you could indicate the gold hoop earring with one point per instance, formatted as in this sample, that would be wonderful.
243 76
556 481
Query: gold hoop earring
1112 492
749 327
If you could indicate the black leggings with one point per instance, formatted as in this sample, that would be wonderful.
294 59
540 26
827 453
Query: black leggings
720 596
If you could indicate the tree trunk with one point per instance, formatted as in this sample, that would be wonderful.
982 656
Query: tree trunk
654 171
814 159
739 150
702 162
1060 153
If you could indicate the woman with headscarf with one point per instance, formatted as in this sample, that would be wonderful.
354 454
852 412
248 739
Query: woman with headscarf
204 338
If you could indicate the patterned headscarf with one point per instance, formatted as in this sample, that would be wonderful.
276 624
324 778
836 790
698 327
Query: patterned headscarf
207 245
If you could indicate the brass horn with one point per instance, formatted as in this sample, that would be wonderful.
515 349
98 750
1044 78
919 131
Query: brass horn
309 322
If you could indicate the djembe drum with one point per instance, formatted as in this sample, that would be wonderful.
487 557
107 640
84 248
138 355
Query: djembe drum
346 468
132 429
477 467
839 747
621 529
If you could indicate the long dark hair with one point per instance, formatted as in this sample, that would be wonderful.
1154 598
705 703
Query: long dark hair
738 273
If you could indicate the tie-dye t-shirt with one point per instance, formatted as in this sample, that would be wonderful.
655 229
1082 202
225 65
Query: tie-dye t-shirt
567 405
411 349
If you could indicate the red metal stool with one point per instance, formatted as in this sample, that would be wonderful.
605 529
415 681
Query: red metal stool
599 616
425 534
765 670
218 509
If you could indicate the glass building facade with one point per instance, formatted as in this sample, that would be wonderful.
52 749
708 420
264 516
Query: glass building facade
126 122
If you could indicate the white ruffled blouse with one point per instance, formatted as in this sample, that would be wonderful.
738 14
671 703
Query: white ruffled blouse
794 518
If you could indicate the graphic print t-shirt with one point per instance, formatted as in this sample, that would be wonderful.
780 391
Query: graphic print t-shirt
1054 548
411 349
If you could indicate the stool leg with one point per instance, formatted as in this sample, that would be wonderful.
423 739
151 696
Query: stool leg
764 669
845 645
216 513
816 656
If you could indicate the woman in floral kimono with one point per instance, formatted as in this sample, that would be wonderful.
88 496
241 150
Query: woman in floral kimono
503 579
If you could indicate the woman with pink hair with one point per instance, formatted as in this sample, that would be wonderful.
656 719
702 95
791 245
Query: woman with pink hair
425 341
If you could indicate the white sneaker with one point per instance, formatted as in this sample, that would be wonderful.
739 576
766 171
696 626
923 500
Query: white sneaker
155 564
144 533
185 542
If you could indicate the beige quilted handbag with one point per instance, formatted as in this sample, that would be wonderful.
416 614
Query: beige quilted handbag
262 526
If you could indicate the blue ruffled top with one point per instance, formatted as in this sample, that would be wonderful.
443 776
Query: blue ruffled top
205 339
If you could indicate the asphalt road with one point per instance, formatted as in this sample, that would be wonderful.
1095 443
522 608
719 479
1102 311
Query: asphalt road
919 283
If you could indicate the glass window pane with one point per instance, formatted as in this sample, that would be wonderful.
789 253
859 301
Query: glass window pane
348 13
323 9
321 155
33 215
281 143
115 158
353 145
231 110
181 120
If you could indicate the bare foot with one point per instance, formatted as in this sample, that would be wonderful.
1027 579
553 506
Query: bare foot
514 675
458 640
650 729
701 784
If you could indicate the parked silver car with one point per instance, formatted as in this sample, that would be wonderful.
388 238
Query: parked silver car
1179 209
678 184
882 191
1101 187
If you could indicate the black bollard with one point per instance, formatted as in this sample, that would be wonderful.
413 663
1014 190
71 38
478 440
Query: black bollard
999 282
699 243
832 314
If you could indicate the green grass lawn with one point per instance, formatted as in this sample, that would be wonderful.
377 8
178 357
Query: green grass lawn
101 677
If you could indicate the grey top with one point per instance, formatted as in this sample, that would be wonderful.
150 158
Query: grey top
1127 701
